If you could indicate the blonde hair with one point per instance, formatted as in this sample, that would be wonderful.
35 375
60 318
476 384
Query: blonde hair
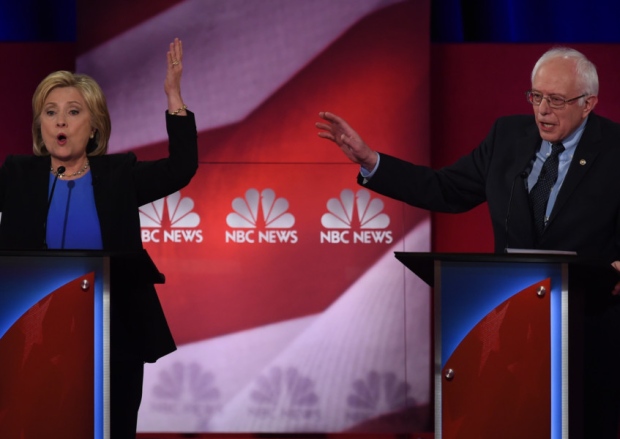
95 101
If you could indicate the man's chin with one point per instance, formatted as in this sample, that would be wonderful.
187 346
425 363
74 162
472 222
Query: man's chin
549 137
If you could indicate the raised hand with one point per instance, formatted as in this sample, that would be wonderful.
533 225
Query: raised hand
338 131
172 84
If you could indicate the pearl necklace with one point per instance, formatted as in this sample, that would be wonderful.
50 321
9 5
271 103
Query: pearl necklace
75 174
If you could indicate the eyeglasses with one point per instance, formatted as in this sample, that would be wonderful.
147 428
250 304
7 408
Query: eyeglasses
554 101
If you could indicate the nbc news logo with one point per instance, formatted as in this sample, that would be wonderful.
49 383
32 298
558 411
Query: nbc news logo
272 227
370 220
170 219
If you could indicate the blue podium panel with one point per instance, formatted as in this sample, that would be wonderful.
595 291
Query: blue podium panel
501 341
54 344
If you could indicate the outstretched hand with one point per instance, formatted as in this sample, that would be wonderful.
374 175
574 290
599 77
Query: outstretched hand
172 84
338 131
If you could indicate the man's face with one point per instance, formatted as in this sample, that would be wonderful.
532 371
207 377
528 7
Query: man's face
557 77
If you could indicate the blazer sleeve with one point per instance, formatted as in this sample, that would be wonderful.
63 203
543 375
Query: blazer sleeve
159 178
483 175
453 189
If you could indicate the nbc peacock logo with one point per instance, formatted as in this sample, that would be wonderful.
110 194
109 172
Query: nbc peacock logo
170 219
344 227
260 217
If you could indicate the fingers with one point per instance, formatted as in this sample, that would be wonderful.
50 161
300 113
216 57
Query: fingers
174 70
179 45
341 140
331 117
339 132
335 126
327 136
175 53
328 131
323 126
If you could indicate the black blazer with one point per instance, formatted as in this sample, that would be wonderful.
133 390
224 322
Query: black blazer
585 217
121 184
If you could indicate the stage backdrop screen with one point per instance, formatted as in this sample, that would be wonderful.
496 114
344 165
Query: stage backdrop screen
290 311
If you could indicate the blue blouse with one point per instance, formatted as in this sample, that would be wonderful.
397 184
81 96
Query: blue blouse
72 221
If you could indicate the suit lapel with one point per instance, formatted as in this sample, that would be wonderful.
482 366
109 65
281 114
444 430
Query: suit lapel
41 185
527 148
524 160
510 202
100 170
521 223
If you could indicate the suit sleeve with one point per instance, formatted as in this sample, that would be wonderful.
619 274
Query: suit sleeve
159 178
453 189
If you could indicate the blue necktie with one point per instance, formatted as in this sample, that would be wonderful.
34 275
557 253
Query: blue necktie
539 195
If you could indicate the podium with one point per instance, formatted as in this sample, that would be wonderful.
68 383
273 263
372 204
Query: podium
509 341
55 339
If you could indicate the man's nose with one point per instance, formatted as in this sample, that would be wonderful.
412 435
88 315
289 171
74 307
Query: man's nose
544 106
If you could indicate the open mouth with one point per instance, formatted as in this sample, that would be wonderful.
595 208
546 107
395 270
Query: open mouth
62 138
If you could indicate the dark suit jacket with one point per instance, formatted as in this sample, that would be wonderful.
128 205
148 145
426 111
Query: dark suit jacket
585 217
121 184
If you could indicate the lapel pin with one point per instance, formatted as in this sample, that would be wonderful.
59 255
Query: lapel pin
582 162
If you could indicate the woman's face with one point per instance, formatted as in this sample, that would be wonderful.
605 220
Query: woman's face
65 124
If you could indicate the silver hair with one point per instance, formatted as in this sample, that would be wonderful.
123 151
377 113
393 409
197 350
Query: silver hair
587 77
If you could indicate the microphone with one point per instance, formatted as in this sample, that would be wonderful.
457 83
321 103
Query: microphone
59 171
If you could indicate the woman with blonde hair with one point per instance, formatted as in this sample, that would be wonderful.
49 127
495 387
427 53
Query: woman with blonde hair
72 195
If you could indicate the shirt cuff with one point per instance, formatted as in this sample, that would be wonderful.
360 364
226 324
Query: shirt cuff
368 174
